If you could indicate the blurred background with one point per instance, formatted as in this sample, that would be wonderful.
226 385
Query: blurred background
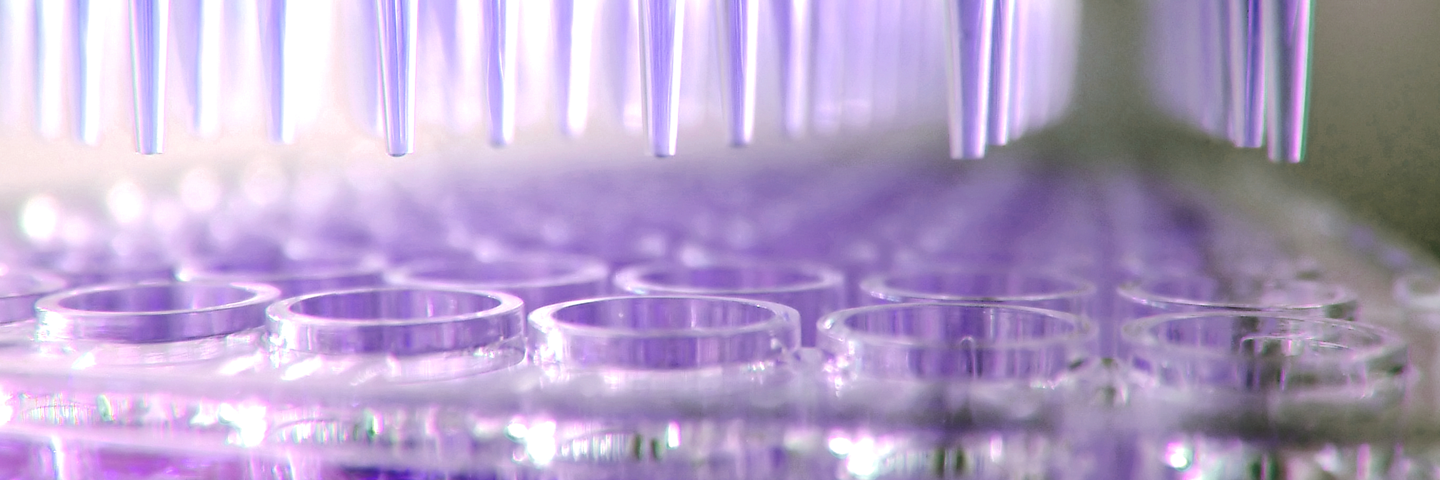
1374 136
1375 131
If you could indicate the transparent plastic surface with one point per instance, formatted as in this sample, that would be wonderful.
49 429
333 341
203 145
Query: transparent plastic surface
153 322
538 278
395 333
811 289
1268 367
171 329
1001 374
57 458
1189 293
990 365
429 381
973 454
956 342
662 333
1239 394
1029 288
444 381
19 289
1189 455
663 359
1418 295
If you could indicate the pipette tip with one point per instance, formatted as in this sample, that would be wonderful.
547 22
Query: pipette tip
149 30
575 23
274 46
740 23
501 25
970 24
1003 58
795 22
397 36
1287 76
661 33
87 19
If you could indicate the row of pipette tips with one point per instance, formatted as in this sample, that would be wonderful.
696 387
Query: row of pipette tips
1237 69
1010 61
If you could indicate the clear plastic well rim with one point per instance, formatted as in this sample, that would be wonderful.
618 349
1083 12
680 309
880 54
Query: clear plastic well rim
880 284
1134 290
635 279
836 326
544 319
281 311
1139 333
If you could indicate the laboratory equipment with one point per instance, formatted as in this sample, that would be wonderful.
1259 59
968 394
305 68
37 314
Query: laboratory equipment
394 334
1182 293
985 371
1048 290
21 290
811 288
1225 378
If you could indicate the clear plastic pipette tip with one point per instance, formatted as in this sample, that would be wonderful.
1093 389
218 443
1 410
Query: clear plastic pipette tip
87 21
1247 71
49 65
1287 75
201 26
741 19
149 31
970 24
1003 58
795 22
274 21
838 63
661 32
397 36
575 22
501 26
